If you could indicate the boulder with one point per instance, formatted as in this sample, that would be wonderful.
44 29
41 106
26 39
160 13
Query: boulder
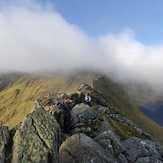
121 159
104 109
138 150
4 139
110 142
37 139
85 119
83 149
57 113
52 108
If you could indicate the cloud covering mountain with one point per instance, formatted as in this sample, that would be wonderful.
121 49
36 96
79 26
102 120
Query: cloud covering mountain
34 37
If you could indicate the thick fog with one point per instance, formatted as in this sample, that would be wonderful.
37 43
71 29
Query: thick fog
35 38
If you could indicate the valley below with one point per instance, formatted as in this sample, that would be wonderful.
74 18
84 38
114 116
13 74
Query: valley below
153 110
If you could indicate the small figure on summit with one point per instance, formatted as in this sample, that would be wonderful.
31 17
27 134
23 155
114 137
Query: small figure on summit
67 114
67 103
88 99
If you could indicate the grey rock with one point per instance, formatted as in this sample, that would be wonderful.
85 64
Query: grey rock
57 113
125 120
80 148
86 117
38 139
96 107
82 113
148 160
136 149
122 118
109 141
51 108
104 109
4 139
121 158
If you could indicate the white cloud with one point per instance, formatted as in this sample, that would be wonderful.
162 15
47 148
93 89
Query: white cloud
34 38
132 60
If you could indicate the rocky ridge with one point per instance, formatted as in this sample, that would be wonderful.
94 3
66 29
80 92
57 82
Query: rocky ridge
40 138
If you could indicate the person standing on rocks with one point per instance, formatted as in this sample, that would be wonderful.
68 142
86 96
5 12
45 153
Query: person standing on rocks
88 99
67 114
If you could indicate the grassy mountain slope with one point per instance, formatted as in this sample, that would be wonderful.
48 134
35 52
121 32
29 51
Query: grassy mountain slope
122 103
18 93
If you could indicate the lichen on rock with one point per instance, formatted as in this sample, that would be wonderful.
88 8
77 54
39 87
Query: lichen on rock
38 138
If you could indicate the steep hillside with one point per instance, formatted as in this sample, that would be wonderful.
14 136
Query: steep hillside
18 93
118 99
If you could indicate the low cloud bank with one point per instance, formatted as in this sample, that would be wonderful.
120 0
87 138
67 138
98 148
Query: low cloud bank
35 38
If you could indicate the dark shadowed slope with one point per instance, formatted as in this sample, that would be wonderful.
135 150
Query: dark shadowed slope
153 110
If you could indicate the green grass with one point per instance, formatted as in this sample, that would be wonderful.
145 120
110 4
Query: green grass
124 130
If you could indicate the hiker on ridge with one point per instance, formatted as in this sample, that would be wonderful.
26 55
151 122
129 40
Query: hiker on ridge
88 99
67 103
67 115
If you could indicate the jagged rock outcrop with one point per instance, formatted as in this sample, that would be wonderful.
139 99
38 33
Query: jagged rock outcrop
142 151
110 142
89 120
4 139
83 149
125 120
49 105
85 119
38 139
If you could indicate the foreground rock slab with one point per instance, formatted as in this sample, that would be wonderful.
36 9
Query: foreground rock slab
4 138
37 140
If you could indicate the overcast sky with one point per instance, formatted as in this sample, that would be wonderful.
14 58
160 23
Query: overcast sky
124 38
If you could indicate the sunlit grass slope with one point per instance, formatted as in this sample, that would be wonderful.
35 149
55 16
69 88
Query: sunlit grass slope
19 94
